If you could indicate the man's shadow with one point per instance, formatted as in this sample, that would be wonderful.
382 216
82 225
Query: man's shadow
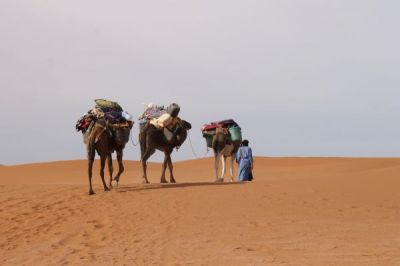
139 187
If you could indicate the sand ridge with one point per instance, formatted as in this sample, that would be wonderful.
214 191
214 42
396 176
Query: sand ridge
298 211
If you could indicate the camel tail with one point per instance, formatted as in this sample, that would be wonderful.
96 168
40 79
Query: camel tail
142 142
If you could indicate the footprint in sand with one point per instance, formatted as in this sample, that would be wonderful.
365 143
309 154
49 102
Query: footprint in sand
98 226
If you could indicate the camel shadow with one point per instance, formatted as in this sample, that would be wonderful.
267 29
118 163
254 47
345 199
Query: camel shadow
141 187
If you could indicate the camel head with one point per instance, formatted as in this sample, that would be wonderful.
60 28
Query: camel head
182 131
121 132
185 124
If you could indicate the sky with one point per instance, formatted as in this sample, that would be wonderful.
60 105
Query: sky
301 77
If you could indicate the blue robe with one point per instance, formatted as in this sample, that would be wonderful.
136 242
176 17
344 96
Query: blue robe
244 158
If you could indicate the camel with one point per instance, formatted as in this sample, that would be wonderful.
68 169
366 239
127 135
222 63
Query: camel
223 147
105 139
152 139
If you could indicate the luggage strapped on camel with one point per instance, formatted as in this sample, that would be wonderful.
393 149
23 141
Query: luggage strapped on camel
165 119
229 126
113 115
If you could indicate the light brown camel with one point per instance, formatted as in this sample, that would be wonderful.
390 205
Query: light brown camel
105 139
152 139
223 147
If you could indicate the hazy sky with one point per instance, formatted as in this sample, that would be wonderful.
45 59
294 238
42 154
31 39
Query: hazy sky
302 78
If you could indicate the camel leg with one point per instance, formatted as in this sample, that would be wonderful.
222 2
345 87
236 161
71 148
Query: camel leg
232 165
110 168
144 167
223 168
146 156
102 165
90 153
216 166
171 167
146 151
90 167
164 168
120 166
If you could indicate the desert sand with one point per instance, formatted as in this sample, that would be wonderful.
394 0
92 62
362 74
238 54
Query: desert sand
297 211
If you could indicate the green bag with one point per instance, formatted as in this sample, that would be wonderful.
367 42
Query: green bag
102 103
236 133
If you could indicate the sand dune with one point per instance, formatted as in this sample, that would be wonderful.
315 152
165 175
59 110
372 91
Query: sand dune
298 211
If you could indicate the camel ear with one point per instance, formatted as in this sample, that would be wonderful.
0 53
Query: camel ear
186 125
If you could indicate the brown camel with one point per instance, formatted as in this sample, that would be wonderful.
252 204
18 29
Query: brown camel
152 139
223 147
106 138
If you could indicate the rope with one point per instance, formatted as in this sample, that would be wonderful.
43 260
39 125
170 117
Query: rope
194 153
133 143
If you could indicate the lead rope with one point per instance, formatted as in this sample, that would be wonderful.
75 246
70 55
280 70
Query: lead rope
194 153
133 143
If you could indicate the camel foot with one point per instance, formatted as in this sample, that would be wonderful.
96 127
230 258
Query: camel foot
145 181
219 180
91 192
116 178
115 184
172 181
106 189
163 181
